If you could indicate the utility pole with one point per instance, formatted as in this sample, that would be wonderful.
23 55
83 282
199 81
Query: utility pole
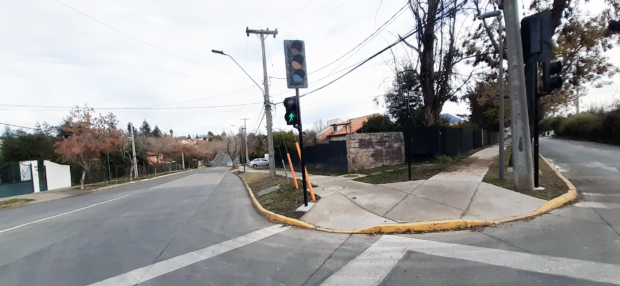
521 145
577 101
133 150
183 161
261 34
245 136
500 81
501 98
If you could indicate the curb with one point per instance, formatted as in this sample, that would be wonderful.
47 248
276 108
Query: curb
424 226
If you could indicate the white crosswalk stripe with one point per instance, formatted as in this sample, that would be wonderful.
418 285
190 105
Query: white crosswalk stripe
370 267
597 205
160 268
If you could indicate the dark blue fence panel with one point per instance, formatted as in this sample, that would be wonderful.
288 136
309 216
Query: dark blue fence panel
425 141
325 157
477 138
450 141
467 140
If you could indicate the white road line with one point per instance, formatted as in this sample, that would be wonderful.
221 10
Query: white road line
370 267
597 205
160 268
600 195
55 216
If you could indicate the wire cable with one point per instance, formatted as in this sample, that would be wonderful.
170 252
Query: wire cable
142 41
6 124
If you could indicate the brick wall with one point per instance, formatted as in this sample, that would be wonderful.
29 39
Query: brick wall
371 150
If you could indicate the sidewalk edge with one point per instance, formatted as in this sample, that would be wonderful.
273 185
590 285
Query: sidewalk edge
552 204
425 226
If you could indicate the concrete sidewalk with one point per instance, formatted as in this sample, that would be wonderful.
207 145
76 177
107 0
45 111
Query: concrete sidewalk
347 205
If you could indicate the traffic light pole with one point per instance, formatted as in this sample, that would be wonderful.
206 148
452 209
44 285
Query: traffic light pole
301 148
521 146
262 33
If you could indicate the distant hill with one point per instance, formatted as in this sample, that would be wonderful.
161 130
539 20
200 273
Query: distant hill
453 119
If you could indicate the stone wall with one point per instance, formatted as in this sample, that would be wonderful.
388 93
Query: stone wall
371 150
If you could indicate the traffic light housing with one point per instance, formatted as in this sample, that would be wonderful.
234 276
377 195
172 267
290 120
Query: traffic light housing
292 110
551 79
295 57
536 36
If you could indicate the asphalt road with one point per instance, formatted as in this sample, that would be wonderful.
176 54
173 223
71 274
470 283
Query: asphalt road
199 228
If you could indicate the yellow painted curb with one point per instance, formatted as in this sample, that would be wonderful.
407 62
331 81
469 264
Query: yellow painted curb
424 226
552 204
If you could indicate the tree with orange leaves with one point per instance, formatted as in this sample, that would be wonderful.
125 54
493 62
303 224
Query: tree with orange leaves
89 137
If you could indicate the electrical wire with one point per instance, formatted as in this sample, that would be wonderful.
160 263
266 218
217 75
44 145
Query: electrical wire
367 38
6 124
289 26
127 108
142 41
288 15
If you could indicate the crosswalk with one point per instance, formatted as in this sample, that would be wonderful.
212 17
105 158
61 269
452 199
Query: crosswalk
375 263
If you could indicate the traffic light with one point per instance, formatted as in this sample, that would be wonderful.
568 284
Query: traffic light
551 79
536 37
295 56
292 111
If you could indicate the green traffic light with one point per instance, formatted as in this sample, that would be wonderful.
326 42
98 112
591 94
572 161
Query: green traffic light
290 116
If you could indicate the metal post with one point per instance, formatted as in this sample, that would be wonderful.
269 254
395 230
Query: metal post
301 149
133 149
535 111
245 132
501 99
109 169
521 146
183 160
262 33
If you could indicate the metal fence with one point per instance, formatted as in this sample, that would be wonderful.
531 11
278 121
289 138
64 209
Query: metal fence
323 157
12 183
450 141
120 173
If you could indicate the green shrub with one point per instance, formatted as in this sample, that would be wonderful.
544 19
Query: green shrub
443 159
583 125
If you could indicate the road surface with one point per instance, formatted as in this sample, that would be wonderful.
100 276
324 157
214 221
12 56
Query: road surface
199 228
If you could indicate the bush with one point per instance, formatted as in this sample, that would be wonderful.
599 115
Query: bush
595 125
443 159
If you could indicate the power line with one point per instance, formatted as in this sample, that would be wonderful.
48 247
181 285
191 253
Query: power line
289 15
367 38
6 124
310 14
126 108
319 16
142 41
376 54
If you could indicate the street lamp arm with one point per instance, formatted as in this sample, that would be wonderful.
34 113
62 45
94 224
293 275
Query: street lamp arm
246 73
222 53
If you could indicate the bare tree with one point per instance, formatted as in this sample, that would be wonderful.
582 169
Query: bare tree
438 47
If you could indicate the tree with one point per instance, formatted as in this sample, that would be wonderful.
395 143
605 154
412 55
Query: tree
581 42
156 132
89 137
379 124
438 48
145 129
233 147
161 146
22 147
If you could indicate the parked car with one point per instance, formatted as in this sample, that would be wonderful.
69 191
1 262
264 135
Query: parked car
229 164
209 164
258 162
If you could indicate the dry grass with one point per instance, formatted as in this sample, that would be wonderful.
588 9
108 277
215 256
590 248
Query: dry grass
14 202
554 185
283 201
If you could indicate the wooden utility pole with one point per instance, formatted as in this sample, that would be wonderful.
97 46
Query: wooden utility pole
261 34
521 145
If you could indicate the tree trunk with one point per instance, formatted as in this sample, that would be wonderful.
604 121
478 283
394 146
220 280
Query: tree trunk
131 172
82 179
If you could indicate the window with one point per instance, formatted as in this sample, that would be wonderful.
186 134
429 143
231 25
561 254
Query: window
335 128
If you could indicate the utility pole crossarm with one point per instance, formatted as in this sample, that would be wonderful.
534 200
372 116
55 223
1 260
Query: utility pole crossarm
265 32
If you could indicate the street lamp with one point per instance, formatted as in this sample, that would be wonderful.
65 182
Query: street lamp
500 82
222 53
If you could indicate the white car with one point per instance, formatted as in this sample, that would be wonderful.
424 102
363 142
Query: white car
258 162
229 164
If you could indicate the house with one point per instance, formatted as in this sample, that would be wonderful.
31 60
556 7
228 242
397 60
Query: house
153 158
339 129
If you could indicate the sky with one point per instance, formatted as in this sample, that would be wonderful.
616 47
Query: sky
152 60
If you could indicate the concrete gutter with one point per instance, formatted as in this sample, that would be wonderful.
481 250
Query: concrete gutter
424 226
